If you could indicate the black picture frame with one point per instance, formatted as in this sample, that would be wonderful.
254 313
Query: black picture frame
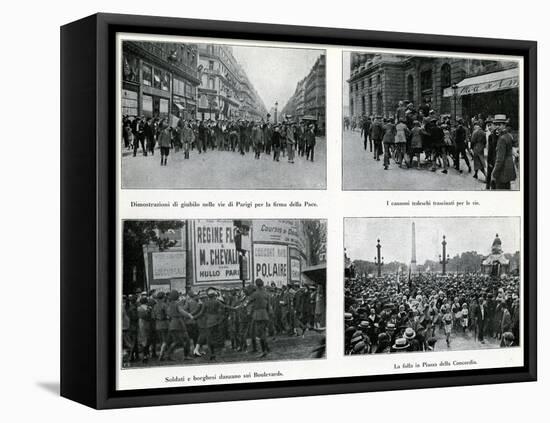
88 209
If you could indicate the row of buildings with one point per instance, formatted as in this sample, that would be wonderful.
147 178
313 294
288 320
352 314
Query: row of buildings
193 81
223 253
459 87
309 99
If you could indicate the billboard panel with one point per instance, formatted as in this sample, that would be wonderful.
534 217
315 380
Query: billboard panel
271 263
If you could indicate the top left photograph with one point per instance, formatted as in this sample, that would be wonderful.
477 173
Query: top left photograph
212 115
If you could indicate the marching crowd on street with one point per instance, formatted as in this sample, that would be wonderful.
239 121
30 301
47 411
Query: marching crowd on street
155 324
288 138
386 315
410 133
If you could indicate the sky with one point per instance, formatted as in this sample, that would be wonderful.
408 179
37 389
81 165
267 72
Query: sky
462 234
274 72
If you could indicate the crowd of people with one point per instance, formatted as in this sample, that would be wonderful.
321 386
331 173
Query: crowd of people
156 324
411 133
387 314
290 138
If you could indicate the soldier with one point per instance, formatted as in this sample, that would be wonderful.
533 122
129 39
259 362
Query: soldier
144 327
213 311
177 330
492 140
259 301
161 323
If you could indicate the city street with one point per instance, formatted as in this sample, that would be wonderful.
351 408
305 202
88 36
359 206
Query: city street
283 347
224 170
362 172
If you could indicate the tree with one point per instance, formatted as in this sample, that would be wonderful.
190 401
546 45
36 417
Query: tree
136 234
316 234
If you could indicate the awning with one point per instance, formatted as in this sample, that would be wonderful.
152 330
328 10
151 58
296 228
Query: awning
308 117
496 81
317 273
179 106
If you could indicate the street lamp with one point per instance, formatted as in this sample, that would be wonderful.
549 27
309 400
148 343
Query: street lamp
455 97
445 259
379 262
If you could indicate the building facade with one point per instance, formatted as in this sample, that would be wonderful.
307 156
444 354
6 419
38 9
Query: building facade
225 90
159 79
228 253
457 87
309 98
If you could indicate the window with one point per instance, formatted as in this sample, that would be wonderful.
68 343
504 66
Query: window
426 81
363 106
157 78
211 64
147 75
445 76
370 104
351 107
363 84
211 83
410 88
378 79
370 81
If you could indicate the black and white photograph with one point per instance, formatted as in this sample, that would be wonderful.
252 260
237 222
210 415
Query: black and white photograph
431 284
200 115
198 292
413 122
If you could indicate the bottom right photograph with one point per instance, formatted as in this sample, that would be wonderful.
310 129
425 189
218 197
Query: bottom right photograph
431 284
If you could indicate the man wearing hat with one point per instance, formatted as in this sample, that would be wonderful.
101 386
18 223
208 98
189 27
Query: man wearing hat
310 142
400 345
461 138
376 135
504 171
165 142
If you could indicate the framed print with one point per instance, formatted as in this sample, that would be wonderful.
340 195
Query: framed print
258 211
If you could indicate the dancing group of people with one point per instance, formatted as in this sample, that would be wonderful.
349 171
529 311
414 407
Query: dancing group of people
410 133
386 315
156 324
288 138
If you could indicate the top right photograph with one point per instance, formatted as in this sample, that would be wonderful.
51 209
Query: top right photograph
430 123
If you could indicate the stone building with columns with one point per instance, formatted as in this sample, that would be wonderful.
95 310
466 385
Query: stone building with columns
455 86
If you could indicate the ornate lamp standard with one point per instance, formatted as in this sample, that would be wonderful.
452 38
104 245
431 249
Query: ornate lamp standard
455 97
379 262
445 259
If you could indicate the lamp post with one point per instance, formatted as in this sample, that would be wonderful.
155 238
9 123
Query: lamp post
455 97
443 260
379 262
275 114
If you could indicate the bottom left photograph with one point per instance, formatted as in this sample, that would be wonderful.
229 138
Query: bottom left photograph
196 292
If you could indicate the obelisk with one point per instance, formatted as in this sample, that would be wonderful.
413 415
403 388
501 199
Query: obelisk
413 250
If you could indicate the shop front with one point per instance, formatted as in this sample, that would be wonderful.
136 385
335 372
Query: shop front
488 94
